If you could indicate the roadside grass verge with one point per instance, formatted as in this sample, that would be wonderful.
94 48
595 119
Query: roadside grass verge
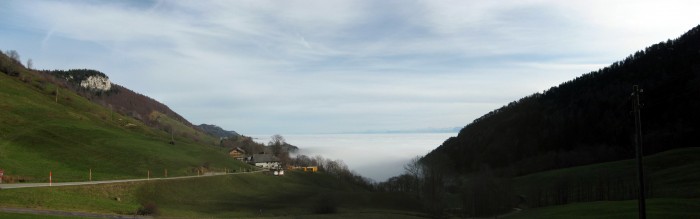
118 198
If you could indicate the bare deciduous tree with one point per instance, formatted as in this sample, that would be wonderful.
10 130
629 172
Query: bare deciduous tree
415 169
276 142
13 54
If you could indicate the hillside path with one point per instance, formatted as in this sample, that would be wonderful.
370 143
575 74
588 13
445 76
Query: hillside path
33 185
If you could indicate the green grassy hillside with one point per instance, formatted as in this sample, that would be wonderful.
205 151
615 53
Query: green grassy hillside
232 196
182 129
656 208
674 173
608 190
69 135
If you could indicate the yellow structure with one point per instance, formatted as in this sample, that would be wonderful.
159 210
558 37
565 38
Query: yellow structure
312 169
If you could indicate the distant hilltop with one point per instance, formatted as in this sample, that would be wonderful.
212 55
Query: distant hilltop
217 131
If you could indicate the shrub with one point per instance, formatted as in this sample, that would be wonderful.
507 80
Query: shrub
148 208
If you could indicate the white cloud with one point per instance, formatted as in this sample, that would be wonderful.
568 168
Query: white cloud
315 66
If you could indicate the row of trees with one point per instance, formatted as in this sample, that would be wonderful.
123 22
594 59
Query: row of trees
336 168
483 193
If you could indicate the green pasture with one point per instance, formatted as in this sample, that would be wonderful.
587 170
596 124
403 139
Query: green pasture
232 196
73 136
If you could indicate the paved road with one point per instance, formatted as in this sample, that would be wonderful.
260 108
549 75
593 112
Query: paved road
31 185
85 214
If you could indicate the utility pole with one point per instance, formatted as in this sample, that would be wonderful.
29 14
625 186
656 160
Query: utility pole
56 93
636 92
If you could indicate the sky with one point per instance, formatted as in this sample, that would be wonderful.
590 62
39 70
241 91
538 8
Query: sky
334 66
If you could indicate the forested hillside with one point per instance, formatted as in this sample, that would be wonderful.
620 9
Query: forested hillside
588 119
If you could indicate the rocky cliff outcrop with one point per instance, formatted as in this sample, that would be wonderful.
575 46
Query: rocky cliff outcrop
96 82
85 78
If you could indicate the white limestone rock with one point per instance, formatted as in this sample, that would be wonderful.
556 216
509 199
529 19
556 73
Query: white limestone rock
96 83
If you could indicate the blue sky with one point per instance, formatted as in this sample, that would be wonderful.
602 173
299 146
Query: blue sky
289 67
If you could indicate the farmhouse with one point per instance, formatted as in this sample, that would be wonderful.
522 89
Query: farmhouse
237 153
266 161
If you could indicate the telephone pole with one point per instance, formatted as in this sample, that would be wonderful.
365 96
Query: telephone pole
636 92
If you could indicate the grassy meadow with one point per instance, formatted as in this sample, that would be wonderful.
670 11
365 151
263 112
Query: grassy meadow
674 173
661 208
70 136
673 178
232 196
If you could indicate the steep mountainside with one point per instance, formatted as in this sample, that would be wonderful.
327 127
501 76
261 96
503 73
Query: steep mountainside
95 86
46 127
120 98
588 119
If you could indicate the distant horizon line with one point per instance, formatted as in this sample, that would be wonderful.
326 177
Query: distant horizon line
411 131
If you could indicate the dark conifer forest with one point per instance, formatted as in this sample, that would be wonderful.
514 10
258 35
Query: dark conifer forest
588 119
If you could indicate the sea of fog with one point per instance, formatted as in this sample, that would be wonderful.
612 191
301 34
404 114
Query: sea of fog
376 156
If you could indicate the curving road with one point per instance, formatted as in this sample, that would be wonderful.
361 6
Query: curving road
32 185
